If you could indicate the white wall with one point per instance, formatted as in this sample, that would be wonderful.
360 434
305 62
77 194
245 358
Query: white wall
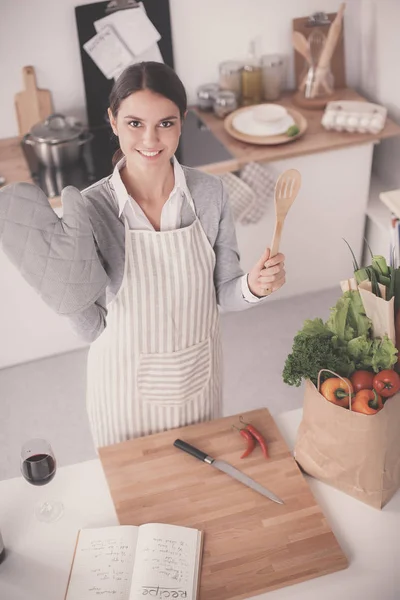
43 33
380 75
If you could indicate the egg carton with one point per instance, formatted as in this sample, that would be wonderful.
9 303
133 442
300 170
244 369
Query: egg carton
353 116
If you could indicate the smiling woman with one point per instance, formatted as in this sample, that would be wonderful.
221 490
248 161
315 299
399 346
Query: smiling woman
164 239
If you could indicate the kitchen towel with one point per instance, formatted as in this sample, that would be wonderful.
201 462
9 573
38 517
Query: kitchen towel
56 256
250 192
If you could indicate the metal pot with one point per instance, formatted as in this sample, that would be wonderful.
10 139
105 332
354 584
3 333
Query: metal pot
58 141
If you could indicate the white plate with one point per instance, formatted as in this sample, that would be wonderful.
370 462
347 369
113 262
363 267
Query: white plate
244 122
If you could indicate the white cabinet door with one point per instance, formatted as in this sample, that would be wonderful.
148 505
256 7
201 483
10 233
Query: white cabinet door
28 328
331 205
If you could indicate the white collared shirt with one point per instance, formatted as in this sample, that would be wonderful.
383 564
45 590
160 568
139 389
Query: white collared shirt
170 213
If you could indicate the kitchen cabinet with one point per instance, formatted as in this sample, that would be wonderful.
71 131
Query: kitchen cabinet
332 204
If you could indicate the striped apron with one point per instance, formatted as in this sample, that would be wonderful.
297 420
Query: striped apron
157 365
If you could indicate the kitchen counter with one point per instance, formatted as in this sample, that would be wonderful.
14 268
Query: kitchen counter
316 139
13 166
39 554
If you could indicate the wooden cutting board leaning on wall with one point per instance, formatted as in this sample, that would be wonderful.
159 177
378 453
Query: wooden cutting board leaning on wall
251 544
31 105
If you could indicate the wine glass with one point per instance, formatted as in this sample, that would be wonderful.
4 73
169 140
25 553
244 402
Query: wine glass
38 466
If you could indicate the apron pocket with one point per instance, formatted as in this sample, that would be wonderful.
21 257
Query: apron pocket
174 377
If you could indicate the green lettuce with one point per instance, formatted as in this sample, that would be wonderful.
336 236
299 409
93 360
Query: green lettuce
384 354
347 318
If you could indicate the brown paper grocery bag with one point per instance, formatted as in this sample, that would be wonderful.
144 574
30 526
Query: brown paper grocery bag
356 453
379 310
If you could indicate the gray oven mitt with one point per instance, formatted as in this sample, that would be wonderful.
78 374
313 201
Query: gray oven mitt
56 256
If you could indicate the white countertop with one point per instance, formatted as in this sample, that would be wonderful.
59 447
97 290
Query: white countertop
39 554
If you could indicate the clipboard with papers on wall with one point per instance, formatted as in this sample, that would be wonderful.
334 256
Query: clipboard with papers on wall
113 35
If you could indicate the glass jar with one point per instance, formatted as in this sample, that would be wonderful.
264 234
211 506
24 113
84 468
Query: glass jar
225 102
205 95
230 76
272 66
251 84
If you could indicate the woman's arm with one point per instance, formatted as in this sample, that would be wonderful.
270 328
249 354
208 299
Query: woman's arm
91 322
56 256
235 290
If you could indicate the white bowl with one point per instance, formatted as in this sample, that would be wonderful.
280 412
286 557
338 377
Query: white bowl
269 113
244 122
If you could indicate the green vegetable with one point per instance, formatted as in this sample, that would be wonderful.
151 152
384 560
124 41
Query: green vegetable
343 344
379 272
384 354
380 267
292 131
348 319
310 354
360 350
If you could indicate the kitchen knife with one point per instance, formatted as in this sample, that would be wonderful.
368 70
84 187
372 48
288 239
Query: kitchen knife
228 469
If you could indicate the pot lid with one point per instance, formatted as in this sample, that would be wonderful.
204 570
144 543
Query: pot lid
57 128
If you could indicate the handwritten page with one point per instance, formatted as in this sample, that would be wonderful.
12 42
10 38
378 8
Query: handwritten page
103 563
133 27
167 562
108 52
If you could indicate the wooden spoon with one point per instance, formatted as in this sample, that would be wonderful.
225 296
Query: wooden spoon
300 43
286 189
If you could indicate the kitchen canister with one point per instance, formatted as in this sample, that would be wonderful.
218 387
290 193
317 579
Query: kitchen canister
205 95
272 66
225 102
230 77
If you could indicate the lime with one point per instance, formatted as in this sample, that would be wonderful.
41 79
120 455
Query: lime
292 131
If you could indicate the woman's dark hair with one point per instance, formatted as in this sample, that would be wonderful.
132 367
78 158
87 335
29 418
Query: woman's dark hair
154 76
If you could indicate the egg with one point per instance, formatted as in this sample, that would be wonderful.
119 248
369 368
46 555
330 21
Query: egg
328 119
363 125
376 124
351 123
340 121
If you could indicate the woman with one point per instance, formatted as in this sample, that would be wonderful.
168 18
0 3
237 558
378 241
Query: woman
166 239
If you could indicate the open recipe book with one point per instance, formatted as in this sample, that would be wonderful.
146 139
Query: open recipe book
127 563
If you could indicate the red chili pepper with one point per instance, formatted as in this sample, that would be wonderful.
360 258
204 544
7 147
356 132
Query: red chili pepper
259 437
251 443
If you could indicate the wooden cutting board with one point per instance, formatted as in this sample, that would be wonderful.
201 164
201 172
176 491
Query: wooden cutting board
251 545
32 105
338 67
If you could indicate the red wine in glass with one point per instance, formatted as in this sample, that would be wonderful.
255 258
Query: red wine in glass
38 467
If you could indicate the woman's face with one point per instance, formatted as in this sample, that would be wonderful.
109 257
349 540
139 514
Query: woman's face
148 126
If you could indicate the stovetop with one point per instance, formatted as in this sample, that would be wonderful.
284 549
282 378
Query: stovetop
198 146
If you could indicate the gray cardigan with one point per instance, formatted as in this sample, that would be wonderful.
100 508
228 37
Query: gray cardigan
212 209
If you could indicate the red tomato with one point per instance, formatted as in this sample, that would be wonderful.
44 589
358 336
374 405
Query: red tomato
386 383
362 380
